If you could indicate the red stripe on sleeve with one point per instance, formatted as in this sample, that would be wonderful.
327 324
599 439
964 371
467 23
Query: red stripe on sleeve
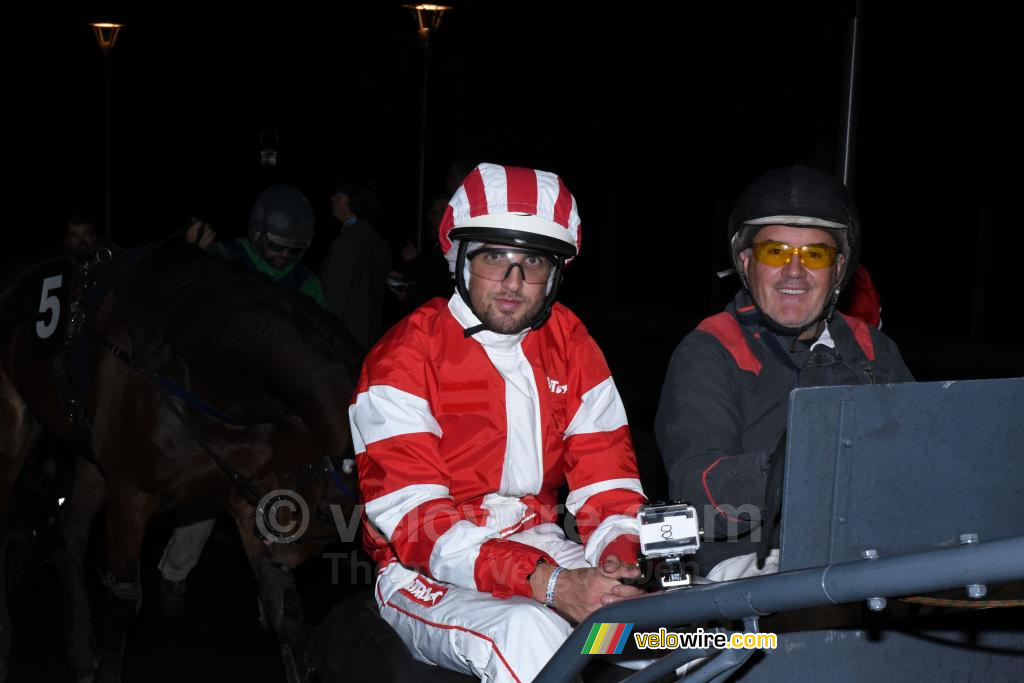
602 505
589 459
404 460
503 567
414 538
625 548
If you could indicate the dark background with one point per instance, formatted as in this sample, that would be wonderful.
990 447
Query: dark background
655 113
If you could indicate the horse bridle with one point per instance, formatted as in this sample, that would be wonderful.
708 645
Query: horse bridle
328 466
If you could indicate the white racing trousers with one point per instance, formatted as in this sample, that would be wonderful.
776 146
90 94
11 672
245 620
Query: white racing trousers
495 639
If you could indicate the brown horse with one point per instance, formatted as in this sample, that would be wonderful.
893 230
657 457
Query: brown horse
179 378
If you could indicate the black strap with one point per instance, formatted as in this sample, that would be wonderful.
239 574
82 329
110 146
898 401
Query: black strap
80 422
470 331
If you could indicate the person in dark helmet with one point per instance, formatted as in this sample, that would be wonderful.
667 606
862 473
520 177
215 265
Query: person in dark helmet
281 227
469 415
794 236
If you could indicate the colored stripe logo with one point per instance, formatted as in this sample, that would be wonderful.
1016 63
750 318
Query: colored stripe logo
607 639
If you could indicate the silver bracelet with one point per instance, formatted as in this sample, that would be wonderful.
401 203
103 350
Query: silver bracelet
549 596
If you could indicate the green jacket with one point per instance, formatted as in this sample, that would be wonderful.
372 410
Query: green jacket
293 276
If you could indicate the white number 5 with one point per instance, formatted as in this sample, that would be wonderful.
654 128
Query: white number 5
49 303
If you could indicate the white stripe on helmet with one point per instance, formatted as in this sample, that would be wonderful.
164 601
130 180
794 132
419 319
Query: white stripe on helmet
495 188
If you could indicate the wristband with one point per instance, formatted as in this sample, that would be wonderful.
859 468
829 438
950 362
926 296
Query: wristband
549 596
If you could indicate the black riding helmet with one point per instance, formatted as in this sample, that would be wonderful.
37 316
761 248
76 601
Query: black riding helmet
283 211
800 197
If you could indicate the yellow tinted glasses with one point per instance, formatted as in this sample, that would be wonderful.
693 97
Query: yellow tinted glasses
813 256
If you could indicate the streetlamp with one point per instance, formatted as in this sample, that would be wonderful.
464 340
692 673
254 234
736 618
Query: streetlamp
428 18
106 37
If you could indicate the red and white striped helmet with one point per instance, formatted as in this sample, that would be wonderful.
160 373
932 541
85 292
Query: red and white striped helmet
512 205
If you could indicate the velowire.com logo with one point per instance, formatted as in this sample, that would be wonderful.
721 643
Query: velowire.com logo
607 639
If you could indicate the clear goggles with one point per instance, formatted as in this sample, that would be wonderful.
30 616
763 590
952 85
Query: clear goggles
496 263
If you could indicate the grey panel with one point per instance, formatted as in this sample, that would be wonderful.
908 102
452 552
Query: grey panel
901 467
857 655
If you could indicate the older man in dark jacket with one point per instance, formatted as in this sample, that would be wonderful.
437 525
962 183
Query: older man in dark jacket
721 422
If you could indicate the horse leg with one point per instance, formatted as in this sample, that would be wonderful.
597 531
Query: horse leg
16 435
88 494
127 514
279 601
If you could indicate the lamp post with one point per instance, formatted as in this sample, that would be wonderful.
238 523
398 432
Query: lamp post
428 18
846 155
106 37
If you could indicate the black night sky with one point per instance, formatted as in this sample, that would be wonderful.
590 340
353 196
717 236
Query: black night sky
656 114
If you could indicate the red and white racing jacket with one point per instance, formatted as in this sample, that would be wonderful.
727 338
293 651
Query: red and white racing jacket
461 443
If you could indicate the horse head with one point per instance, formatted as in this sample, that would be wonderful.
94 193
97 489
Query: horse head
258 371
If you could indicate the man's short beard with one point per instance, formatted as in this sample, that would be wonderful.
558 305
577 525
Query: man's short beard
502 324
